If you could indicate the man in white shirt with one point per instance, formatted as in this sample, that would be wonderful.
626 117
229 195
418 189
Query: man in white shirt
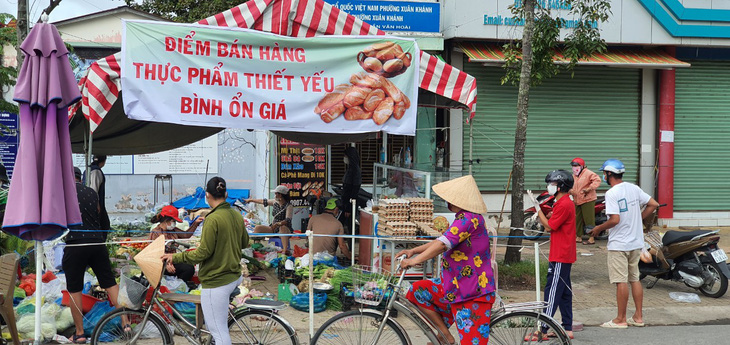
625 240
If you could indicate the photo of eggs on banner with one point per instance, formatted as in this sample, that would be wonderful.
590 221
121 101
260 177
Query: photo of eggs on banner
370 95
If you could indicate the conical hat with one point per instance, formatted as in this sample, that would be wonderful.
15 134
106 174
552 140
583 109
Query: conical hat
149 260
463 193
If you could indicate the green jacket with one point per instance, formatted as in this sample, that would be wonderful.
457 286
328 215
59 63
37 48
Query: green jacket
219 252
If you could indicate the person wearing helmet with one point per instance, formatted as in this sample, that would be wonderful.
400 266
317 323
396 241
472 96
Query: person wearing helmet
584 196
625 240
561 226
326 223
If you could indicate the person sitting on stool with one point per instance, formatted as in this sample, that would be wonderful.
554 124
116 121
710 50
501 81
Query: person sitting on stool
327 224
167 220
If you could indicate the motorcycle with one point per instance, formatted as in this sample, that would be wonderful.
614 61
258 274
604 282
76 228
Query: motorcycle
691 257
533 230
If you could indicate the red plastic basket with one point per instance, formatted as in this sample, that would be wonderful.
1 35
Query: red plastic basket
87 301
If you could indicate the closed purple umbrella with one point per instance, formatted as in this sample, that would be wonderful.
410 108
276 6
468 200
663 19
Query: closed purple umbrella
42 201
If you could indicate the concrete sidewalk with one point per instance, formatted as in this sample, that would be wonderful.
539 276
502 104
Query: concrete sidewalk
594 300
594 297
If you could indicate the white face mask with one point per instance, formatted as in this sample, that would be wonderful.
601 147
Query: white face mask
170 226
552 189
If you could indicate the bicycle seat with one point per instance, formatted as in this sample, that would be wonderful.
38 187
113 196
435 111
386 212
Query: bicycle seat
181 297
264 304
672 236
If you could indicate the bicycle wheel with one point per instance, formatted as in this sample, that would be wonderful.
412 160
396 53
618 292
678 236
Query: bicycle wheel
259 327
519 328
358 327
110 329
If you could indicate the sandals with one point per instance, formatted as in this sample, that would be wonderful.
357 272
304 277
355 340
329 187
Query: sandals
536 336
630 321
77 339
553 335
611 324
588 243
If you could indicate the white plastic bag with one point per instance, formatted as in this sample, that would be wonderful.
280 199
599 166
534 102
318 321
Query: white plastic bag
685 297
174 284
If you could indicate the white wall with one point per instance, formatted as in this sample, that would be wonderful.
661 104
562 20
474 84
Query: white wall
104 29
630 22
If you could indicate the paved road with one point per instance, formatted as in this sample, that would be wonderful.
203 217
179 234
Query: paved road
665 335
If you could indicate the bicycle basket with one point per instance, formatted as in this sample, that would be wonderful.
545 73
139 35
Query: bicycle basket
131 293
370 284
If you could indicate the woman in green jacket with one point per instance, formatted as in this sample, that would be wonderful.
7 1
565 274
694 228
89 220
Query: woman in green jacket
219 256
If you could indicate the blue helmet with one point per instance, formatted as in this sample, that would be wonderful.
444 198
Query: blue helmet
613 165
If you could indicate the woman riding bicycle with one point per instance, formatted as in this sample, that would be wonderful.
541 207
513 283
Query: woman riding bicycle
219 256
465 292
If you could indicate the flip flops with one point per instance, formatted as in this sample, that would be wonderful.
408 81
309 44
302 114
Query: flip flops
633 323
553 335
536 336
77 339
611 324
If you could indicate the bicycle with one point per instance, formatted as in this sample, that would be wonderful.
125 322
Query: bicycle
254 322
511 324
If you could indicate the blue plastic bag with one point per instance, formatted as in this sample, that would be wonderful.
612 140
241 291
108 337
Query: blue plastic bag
96 313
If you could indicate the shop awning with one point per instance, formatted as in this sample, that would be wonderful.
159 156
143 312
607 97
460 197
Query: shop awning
614 57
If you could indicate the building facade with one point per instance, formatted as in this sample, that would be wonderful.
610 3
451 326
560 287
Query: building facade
657 100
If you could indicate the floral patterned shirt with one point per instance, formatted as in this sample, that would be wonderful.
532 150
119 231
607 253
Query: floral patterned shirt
467 266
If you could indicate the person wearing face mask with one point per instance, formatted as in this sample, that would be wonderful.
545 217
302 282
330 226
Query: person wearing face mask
219 256
624 202
283 212
584 197
167 221
561 226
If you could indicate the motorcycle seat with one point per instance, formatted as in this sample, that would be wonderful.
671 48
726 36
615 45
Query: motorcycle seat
673 236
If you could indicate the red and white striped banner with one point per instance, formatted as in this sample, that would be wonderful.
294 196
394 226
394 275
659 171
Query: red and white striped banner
304 18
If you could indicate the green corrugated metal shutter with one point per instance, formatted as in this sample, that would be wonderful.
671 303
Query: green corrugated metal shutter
702 137
594 115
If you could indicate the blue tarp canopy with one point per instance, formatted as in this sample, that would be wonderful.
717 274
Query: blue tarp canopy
197 200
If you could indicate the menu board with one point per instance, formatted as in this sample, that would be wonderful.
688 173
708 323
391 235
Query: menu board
303 169
8 140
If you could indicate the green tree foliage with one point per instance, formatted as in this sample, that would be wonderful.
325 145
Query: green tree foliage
531 60
7 74
184 11
582 40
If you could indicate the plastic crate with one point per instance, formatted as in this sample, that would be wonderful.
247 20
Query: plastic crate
349 301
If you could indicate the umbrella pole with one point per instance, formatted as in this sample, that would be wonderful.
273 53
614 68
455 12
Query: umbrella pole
88 158
38 292
310 238
352 247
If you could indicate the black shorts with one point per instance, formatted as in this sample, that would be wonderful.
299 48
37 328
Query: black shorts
77 259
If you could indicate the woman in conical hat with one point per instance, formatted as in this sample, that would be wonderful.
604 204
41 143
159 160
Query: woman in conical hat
219 256
465 292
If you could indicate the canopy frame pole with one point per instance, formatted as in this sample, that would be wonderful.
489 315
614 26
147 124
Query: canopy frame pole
471 145
352 247
38 293
310 239
537 272
89 159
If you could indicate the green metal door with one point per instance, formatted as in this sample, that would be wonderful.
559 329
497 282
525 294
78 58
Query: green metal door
594 115
702 137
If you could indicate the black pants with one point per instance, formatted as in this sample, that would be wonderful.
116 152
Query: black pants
182 271
559 294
